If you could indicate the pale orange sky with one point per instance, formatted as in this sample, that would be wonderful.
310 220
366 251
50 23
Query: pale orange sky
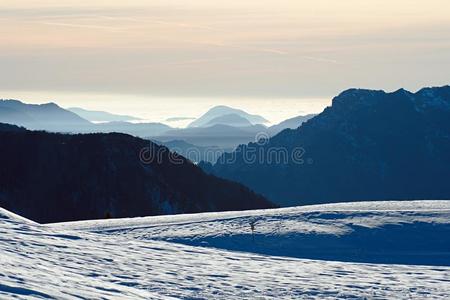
222 49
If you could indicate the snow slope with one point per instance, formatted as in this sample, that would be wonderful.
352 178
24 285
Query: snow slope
215 255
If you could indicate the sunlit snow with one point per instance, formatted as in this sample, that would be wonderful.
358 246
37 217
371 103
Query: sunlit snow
320 251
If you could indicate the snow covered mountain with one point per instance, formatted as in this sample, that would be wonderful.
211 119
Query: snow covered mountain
218 256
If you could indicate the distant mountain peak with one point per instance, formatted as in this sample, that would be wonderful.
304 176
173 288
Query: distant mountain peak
231 120
47 116
222 110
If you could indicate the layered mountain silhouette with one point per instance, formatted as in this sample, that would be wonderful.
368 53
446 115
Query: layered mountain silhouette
101 116
220 138
225 128
234 120
291 123
220 130
51 117
50 177
221 110
369 145
219 135
43 116
175 119
135 129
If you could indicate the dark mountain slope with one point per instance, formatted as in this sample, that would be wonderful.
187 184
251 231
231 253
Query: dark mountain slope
54 177
193 152
11 128
369 145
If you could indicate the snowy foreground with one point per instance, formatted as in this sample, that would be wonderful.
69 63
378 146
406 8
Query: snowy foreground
373 250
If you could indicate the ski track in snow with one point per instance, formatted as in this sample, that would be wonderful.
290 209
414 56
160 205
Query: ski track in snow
215 256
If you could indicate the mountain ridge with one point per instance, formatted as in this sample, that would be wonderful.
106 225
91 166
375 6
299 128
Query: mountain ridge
52 177
100 116
39 116
53 118
369 145
234 120
221 110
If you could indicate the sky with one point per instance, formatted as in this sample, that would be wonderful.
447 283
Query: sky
125 55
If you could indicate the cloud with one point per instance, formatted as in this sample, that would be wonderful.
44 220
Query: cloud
241 47
210 48
88 26
180 63
321 59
